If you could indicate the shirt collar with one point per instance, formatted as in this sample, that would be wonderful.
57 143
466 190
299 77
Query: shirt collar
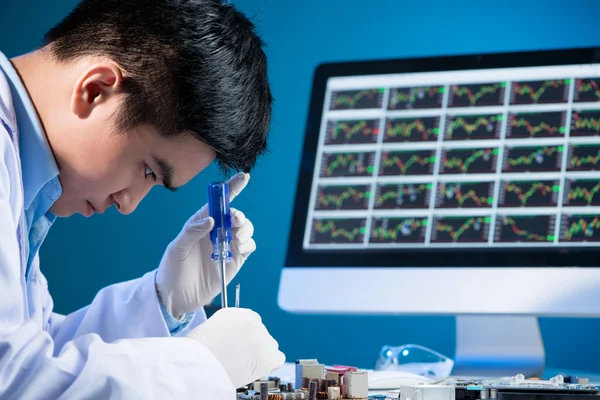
37 160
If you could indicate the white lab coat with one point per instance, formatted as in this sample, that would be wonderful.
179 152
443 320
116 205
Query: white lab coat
118 347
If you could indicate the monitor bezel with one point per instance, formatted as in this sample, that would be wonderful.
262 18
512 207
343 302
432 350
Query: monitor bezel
298 256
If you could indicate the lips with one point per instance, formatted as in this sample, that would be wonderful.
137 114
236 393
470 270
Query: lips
101 210
90 210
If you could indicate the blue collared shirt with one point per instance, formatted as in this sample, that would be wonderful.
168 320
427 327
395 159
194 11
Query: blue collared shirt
41 186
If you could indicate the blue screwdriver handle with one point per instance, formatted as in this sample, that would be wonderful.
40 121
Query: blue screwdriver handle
218 209
220 236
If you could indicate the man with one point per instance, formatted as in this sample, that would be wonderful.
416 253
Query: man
123 96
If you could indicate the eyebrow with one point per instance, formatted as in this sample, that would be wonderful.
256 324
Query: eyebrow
166 171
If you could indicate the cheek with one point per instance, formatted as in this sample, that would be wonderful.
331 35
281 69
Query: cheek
98 173
97 170
92 180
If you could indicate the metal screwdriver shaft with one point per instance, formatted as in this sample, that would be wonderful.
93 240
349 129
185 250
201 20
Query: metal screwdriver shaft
223 276
223 285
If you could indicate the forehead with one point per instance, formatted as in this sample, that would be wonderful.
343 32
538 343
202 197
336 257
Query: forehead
186 155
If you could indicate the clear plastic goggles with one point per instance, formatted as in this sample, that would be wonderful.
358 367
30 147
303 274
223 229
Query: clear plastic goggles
415 359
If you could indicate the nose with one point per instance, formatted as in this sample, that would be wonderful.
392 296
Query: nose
128 199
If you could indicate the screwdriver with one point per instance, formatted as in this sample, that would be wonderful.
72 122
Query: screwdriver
220 236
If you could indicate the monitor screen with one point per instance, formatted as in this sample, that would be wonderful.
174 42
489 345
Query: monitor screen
492 165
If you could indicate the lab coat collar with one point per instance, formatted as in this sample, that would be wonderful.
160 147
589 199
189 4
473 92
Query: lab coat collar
37 160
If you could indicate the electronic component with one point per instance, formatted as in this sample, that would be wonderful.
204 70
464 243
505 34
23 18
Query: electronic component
264 391
220 236
308 369
334 393
312 381
356 385
312 390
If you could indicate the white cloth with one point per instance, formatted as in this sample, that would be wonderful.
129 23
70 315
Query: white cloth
117 347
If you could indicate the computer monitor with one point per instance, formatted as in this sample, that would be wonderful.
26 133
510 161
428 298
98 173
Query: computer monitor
465 185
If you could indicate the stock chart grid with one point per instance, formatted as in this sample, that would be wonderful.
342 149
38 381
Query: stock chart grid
506 163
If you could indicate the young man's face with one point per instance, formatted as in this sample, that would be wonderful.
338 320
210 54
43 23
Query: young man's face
100 168
104 169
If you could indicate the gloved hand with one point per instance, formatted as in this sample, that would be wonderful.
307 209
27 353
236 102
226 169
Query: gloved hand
187 278
240 341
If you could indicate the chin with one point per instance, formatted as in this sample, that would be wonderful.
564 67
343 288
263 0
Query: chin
60 212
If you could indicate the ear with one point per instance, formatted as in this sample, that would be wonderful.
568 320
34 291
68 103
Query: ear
94 86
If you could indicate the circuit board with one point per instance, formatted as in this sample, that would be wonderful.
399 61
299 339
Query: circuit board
315 381
312 381
514 388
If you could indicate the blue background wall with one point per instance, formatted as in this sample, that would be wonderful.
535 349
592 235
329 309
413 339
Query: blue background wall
81 256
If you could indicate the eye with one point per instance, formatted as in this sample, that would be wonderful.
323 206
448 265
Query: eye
150 172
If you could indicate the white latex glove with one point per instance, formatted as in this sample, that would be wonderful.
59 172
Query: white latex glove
240 341
187 278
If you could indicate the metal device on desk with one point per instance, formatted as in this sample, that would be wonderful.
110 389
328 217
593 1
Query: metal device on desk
220 236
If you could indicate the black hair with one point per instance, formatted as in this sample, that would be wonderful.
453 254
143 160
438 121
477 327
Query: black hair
194 66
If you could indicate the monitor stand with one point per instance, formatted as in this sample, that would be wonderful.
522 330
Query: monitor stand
495 346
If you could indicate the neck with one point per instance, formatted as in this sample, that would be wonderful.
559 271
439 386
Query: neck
39 74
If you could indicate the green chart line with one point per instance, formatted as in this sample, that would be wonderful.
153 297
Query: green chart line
591 86
406 129
534 94
382 198
579 161
528 159
462 198
455 162
535 187
404 166
583 193
456 234
393 233
582 226
526 234
588 123
469 127
331 228
352 100
346 161
411 96
338 199
535 129
474 97
349 130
